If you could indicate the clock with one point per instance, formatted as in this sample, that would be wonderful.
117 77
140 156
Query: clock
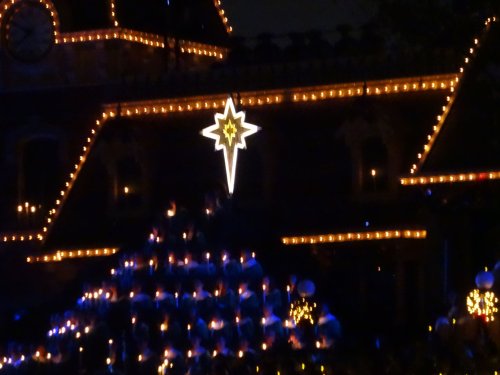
28 31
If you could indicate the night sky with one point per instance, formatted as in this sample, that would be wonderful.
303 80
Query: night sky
250 18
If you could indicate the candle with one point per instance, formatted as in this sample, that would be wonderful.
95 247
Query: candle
151 266
80 358
208 258
264 287
189 330
216 294
170 262
238 325
176 300
288 292
264 325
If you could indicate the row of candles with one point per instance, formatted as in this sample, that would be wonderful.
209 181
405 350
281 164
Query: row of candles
187 261
101 295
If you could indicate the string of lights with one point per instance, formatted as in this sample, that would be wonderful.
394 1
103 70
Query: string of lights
451 178
21 237
260 98
61 255
112 12
356 236
450 99
223 16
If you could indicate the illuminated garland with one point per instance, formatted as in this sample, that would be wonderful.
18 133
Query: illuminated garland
222 15
451 178
114 19
483 305
61 255
441 118
356 236
152 40
269 97
302 310
21 237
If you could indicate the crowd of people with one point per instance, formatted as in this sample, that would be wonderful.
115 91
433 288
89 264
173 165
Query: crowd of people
168 310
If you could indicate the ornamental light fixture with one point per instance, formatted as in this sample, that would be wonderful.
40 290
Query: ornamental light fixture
229 133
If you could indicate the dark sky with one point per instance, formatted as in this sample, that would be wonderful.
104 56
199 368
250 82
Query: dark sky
252 17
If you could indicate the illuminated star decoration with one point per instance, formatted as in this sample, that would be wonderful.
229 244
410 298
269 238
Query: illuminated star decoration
229 132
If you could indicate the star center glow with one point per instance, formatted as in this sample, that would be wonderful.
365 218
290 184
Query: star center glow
229 133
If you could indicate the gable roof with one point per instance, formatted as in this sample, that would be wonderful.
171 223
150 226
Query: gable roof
467 119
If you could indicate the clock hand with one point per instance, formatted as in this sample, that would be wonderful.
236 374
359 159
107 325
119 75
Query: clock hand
21 27
26 35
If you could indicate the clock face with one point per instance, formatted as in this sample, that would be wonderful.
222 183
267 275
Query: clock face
28 31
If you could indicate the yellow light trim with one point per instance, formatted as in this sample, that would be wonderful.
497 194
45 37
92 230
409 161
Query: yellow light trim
5 5
223 16
112 12
152 40
163 107
273 97
190 47
61 255
356 236
453 86
21 237
451 178
149 39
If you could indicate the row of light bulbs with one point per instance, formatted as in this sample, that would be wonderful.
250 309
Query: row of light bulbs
356 236
22 237
112 12
273 97
450 99
391 86
249 98
450 178
61 255
159 107
149 39
223 16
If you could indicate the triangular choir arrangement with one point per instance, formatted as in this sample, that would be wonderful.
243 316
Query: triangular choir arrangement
179 312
